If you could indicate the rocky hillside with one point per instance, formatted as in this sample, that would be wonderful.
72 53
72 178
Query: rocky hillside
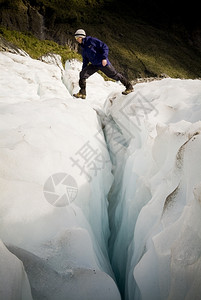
144 40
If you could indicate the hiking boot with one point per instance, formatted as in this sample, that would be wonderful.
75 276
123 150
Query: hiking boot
128 90
80 95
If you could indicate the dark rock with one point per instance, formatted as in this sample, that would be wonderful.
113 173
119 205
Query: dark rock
36 23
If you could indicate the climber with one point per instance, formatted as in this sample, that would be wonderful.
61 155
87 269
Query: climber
95 52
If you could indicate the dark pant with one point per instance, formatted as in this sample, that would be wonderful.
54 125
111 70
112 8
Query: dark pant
108 70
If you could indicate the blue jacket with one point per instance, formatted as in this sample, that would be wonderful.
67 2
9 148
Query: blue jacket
94 51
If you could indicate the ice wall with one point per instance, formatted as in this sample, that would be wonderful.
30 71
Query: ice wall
55 174
14 284
155 208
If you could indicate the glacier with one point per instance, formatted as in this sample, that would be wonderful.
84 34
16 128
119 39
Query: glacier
100 199
14 283
155 202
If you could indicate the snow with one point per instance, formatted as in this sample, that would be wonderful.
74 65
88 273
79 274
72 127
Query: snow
99 188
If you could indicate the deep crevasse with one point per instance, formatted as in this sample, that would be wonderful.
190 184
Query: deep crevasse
155 203
153 136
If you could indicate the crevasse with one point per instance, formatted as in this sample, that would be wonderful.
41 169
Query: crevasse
143 195
155 198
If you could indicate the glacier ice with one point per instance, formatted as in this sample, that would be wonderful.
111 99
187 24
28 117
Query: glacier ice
141 152
74 283
155 238
40 138
14 284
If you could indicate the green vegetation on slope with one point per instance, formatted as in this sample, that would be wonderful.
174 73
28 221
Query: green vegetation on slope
143 50
35 47
137 48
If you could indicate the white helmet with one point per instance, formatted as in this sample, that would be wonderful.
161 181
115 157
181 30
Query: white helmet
80 33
